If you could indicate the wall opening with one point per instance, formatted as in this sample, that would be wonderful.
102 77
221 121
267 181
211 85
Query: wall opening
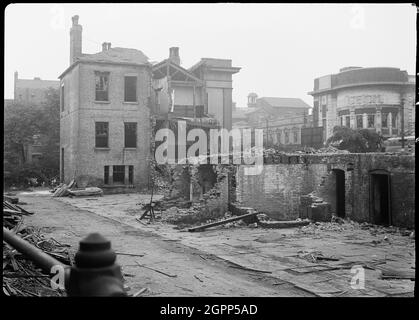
380 198
207 178
340 192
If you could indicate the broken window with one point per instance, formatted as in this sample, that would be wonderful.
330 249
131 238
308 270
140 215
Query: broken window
130 89
102 134
119 174
106 175
102 86
359 121
130 134
62 98
371 119
131 174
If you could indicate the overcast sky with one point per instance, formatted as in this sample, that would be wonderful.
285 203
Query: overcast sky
280 48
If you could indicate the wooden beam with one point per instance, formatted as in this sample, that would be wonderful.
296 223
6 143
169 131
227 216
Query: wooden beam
199 228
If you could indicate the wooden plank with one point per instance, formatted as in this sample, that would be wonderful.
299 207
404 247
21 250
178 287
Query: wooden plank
209 225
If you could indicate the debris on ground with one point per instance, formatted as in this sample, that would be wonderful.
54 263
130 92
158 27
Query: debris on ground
284 224
86 192
339 225
142 291
10 197
221 222
20 276
71 190
12 214
315 256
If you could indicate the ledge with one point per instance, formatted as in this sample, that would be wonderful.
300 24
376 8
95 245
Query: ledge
130 102
102 102
102 149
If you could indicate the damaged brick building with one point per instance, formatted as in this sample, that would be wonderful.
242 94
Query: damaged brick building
371 187
111 101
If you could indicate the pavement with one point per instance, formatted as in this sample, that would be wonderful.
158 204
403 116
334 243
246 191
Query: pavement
323 259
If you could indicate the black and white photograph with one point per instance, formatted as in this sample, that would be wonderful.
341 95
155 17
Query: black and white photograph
156 150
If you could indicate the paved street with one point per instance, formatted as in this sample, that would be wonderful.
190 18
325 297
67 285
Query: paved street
197 273
238 261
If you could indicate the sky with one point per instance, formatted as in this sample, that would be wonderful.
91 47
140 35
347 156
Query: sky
281 48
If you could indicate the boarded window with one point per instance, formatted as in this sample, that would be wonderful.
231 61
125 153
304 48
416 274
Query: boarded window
130 89
131 174
62 98
102 86
119 174
106 175
130 134
102 134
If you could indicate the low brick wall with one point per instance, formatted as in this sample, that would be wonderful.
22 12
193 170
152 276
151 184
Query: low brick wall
278 189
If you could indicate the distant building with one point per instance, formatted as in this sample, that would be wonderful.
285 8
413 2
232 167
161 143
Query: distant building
31 92
280 118
365 98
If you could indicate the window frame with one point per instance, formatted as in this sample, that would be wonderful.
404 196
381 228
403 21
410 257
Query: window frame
102 74
97 123
121 173
357 117
369 117
127 124
126 88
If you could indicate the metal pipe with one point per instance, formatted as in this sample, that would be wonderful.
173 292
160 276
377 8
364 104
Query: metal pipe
39 257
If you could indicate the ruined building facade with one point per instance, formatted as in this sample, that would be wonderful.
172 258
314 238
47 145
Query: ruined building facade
110 99
104 122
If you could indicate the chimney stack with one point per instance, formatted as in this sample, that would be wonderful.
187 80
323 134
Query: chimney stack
75 39
174 55
109 45
104 46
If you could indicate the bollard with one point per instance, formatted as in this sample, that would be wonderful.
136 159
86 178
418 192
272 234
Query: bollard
95 272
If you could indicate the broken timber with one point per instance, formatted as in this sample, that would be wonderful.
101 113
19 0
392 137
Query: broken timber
213 224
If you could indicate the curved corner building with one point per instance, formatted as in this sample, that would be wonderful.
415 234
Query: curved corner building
370 98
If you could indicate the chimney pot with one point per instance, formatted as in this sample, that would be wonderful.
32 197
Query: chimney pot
174 55
75 20
109 45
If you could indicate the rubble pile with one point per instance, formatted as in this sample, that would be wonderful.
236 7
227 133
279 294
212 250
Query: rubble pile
71 190
13 214
338 225
20 275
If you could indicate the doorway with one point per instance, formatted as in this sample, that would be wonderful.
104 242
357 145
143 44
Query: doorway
380 198
340 192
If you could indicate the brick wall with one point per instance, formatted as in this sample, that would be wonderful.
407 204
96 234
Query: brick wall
278 189
82 159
